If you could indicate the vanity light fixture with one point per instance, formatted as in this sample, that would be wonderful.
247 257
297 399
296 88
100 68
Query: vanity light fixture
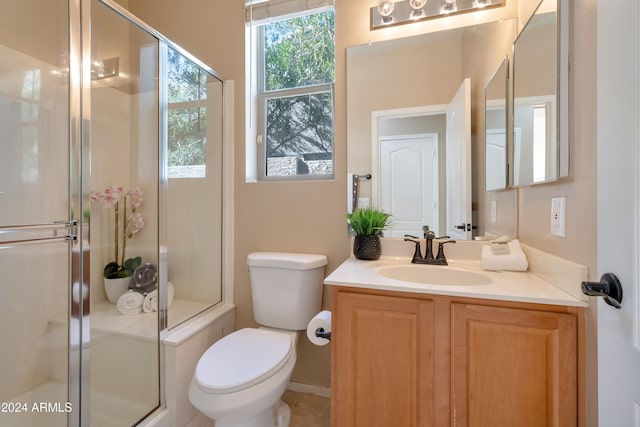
389 13
99 69
105 69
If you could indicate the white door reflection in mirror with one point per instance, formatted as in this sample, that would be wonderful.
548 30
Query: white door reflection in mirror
409 182
412 130
496 153
535 146
459 163
495 120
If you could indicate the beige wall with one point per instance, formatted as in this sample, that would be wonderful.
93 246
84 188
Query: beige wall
579 188
312 219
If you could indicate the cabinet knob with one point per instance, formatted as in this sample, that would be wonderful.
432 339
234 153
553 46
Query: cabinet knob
608 287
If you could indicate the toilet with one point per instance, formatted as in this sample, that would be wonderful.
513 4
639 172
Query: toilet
239 380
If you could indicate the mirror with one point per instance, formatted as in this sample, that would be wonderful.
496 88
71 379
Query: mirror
495 118
540 69
414 81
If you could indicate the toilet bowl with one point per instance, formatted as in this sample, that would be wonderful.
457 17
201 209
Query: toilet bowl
240 379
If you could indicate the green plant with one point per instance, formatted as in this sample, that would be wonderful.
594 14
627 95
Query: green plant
368 222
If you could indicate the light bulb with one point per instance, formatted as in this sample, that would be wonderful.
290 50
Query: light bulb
449 6
385 8
416 9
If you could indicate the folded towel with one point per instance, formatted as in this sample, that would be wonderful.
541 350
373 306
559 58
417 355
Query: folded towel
515 260
130 303
500 248
150 303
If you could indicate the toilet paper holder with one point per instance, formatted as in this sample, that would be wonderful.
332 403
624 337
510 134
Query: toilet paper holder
320 333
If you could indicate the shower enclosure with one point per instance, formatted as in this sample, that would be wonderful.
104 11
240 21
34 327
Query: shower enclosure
93 104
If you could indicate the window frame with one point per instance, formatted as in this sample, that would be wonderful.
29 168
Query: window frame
262 96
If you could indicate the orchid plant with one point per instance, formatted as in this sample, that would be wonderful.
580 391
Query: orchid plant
127 223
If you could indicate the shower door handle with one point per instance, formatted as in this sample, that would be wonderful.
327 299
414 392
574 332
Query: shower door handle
70 228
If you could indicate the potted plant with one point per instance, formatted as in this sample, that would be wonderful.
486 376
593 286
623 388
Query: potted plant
368 224
127 223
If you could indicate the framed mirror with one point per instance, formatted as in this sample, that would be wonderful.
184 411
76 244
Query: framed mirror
405 102
495 119
540 97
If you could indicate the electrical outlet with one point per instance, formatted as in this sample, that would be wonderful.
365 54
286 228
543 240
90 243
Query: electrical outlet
557 216
494 211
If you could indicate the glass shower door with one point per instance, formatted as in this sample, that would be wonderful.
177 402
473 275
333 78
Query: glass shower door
36 227
124 377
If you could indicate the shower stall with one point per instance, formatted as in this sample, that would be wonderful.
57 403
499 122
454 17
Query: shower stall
111 147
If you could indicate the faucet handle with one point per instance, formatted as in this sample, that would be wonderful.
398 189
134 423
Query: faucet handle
417 254
440 255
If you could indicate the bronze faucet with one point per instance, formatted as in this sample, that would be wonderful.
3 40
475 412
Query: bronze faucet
428 258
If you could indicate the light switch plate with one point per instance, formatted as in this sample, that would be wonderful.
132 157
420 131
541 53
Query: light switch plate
558 216
494 211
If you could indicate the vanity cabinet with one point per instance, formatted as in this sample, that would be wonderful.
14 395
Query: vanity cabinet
401 359
385 369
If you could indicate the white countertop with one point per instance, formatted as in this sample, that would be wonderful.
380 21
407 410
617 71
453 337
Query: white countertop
504 286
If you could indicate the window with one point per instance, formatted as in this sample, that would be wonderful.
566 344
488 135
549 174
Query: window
187 117
294 76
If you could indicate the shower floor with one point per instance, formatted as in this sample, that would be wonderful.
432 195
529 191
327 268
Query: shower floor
103 408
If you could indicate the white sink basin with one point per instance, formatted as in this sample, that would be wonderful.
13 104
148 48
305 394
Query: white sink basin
433 275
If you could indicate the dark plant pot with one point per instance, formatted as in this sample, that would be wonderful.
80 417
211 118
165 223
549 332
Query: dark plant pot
367 247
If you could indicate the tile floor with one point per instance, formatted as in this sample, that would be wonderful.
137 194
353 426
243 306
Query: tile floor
307 410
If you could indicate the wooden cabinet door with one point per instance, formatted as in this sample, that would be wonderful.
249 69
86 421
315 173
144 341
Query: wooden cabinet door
383 354
513 367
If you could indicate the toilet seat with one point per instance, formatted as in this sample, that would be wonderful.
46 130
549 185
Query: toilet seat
242 359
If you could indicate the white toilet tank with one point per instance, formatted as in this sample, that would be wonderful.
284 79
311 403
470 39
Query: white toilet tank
286 288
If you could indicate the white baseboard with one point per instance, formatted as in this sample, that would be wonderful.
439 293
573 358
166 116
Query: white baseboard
306 388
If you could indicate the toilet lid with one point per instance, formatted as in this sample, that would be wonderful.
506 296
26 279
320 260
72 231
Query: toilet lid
242 359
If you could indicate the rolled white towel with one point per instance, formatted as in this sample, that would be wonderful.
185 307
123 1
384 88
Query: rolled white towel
130 303
150 303
515 260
